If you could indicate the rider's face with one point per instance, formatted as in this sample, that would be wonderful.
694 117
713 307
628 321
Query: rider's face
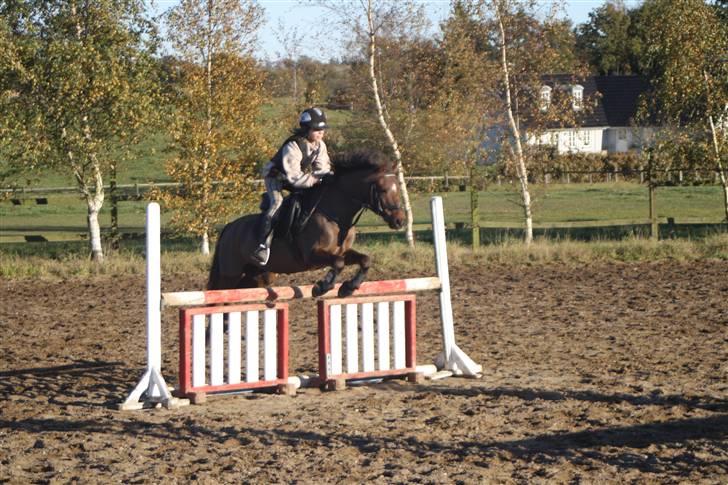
315 136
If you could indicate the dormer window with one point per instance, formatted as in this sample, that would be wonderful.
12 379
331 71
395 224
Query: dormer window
545 97
577 96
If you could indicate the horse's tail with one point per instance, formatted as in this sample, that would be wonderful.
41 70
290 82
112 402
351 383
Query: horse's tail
214 277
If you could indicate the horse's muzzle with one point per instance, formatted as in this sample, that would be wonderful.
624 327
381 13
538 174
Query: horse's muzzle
396 221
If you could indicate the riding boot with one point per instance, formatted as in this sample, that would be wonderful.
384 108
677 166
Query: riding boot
265 237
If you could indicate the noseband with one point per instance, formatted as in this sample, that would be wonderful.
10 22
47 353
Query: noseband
375 201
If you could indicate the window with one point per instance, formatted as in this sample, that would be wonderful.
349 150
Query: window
622 134
554 138
577 96
572 138
586 137
545 97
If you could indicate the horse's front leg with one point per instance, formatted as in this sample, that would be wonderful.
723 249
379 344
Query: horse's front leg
327 282
364 262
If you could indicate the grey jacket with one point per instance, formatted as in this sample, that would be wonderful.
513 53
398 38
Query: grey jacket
302 170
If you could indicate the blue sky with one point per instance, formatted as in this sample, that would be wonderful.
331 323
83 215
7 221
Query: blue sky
293 13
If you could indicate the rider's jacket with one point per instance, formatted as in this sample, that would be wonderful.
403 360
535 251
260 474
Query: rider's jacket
299 162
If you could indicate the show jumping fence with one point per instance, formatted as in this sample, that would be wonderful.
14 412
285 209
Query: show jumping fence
203 352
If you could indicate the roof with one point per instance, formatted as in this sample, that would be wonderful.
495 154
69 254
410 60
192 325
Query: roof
618 100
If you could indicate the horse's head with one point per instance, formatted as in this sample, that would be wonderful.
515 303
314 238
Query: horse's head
384 199
363 175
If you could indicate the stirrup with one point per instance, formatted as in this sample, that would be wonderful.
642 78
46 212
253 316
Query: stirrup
262 254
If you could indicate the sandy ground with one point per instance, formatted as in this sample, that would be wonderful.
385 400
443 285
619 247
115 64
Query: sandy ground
595 373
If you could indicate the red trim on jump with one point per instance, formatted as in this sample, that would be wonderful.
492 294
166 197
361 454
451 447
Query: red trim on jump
281 293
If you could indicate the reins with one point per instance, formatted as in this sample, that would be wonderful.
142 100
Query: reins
374 204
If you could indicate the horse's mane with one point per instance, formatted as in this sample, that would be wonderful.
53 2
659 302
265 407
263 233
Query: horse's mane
363 158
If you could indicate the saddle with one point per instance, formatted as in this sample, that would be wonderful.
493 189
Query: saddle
291 216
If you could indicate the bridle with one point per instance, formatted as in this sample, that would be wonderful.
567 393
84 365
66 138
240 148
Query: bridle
375 204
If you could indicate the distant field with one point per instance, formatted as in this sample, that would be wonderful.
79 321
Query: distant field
146 160
556 206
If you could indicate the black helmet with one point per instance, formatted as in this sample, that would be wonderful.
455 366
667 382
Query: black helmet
313 119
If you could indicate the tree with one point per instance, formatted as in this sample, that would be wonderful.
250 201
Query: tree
607 40
688 68
367 22
215 127
292 42
78 89
468 98
527 50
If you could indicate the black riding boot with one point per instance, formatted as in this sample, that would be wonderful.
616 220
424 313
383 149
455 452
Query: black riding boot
265 237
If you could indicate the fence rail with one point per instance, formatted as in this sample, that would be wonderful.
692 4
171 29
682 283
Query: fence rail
135 191
138 189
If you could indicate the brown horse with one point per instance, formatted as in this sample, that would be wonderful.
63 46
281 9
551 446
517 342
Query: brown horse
361 181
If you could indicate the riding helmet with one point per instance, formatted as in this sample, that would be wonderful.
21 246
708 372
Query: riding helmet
313 119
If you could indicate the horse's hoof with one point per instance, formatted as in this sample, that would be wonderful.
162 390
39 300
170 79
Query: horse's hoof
318 289
346 289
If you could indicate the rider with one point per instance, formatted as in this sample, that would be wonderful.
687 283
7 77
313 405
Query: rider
300 163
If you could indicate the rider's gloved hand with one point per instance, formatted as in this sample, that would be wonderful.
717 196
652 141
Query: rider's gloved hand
326 178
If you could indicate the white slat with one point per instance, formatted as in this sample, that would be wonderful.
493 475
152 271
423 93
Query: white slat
367 336
252 338
198 350
234 347
352 340
383 335
270 347
399 335
217 352
335 333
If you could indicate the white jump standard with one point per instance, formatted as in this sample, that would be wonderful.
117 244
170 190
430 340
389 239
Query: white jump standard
392 353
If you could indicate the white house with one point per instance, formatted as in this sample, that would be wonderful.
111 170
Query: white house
608 128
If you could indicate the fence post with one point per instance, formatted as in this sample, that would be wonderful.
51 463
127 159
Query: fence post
114 209
654 227
474 213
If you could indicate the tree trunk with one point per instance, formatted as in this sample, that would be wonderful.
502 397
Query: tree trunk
520 161
404 194
295 83
719 166
205 244
94 202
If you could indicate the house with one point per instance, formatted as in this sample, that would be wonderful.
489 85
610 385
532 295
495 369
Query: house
608 127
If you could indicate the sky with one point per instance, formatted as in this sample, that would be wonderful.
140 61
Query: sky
293 13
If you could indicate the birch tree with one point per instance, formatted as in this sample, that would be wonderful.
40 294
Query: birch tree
527 50
688 66
78 90
215 128
367 21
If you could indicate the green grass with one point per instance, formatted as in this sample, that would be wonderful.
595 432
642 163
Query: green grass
556 206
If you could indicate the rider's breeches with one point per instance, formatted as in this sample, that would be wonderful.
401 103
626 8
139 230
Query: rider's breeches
274 187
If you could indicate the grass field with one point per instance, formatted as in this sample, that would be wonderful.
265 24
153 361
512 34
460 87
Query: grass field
556 205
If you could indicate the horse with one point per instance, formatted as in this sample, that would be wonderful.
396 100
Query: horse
362 180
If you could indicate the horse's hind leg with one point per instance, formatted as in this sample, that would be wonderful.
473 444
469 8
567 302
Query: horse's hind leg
256 279
364 262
